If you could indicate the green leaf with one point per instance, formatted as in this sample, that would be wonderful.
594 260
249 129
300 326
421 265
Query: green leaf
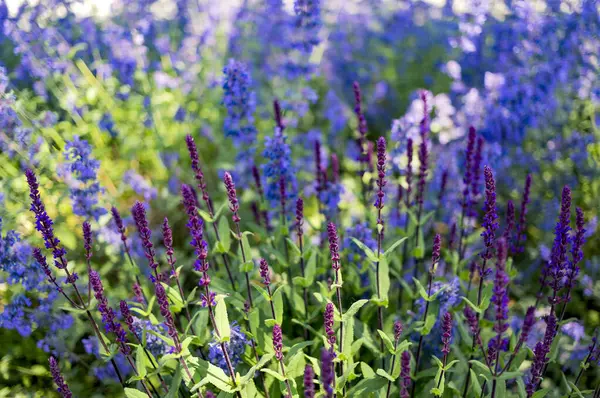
140 361
293 246
173 295
368 252
403 347
425 328
421 290
298 347
366 371
385 374
354 308
348 326
222 320
311 268
252 371
274 374
390 249
175 383
483 368
386 340
205 216
473 306
384 279
278 305
500 388
246 246
224 237
133 393
541 393
248 266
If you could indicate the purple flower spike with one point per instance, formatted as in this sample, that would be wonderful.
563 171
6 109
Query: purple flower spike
577 242
126 315
333 246
510 223
328 323
264 271
118 222
423 151
409 170
87 240
397 330
195 227
335 168
435 254
362 122
43 222
282 194
278 116
446 332
168 241
468 178
300 216
473 323
209 394
527 324
139 215
62 387
198 174
500 292
405 375
477 158
257 182
232 195
490 223
320 184
137 292
163 303
541 350
381 181
41 259
327 375
523 216
309 385
278 342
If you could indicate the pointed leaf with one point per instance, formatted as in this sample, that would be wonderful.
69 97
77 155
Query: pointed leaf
222 320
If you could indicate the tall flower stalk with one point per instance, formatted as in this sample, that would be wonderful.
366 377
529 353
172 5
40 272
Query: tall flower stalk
335 265
381 183
467 181
199 176
397 332
300 235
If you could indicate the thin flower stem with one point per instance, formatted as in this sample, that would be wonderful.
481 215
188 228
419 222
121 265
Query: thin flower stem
142 380
340 309
582 369
379 307
171 262
152 362
287 382
137 278
389 386
225 259
248 290
101 340
305 290
418 355
189 374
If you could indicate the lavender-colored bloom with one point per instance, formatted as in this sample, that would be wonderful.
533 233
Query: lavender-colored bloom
195 225
522 217
452 237
381 181
198 174
435 253
446 332
278 342
299 216
327 374
137 293
232 196
500 293
477 159
409 171
333 246
163 303
360 116
405 374
473 323
119 223
469 166
423 151
309 385
278 115
85 190
328 323
43 222
62 387
87 240
510 223
126 314
264 271
139 215
168 241
490 223
397 330
236 346
278 167
577 242
540 352
209 394
140 185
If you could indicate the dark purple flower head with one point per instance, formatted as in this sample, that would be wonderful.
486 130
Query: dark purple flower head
405 374
198 174
328 323
118 222
327 375
577 242
282 194
446 333
41 260
473 323
500 291
195 225
62 387
523 216
541 351
209 394
139 215
476 167
381 180
277 342
87 240
278 116
335 168
137 293
409 170
527 324
257 182
362 122
468 178
299 216
490 223
264 271
334 249
126 314
397 330
423 151
232 195
309 385
168 241
163 303
43 222
510 223
435 254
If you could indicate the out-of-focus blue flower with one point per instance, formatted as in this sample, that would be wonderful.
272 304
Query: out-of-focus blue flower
364 233
279 166
105 371
140 185
154 344
303 37
107 124
84 186
235 348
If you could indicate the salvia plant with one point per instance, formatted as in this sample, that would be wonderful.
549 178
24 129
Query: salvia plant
226 202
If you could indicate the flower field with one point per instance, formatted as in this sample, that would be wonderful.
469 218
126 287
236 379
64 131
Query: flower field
268 198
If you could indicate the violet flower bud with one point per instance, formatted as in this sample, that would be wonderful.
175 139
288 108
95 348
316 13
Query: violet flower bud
473 323
168 241
510 223
409 170
126 314
278 116
62 387
397 330
333 246
381 181
405 374
523 216
282 194
277 342
477 158
209 394
541 351
328 323
119 223
528 323
320 184
43 223
163 303
264 271
435 254
300 216
198 174
309 385
446 332
137 293
41 260
500 291
423 151
232 195
87 240
490 223
327 375
362 122
194 225
139 215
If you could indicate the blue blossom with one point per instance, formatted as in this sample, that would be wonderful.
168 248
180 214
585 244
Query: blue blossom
154 344
107 124
364 233
235 348
140 185
303 37
85 188
279 166
105 371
